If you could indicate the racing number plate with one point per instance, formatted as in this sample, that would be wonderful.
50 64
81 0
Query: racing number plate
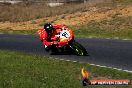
64 34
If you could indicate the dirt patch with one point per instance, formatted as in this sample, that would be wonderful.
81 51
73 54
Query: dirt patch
76 19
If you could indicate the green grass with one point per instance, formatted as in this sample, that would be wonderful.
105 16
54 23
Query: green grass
29 32
120 27
126 1
20 70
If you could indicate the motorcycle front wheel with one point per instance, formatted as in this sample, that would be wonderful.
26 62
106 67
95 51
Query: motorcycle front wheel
78 49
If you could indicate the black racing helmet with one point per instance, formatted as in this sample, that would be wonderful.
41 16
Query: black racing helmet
48 28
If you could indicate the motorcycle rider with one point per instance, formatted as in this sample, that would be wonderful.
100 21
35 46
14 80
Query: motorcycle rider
46 33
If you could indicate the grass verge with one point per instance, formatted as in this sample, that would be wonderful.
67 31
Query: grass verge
117 27
29 32
19 70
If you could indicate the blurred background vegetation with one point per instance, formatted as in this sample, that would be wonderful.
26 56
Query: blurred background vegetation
35 9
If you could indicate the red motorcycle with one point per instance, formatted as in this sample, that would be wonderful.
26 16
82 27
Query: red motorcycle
65 37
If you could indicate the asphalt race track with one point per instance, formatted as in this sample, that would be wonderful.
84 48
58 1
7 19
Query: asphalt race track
105 52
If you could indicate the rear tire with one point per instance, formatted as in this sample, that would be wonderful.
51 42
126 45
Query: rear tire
53 50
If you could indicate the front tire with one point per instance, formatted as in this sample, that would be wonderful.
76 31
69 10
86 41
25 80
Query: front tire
78 49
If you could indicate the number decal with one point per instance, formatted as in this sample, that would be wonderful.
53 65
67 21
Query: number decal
64 34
